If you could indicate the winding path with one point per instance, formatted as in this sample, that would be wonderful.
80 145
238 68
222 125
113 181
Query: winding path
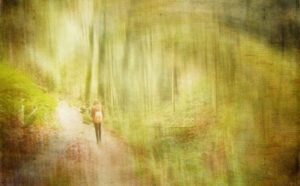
74 158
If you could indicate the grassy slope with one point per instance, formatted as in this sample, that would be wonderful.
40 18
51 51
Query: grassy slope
25 110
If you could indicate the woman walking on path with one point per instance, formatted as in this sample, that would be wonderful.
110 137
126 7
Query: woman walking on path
97 116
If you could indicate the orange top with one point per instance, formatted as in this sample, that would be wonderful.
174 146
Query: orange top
97 114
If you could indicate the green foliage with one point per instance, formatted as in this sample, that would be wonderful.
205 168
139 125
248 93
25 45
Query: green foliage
23 101
276 22
25 110
226 110
189 84
170 145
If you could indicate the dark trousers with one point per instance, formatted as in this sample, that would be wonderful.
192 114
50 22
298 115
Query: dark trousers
98 131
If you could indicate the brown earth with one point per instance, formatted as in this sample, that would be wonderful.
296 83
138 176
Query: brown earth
74 158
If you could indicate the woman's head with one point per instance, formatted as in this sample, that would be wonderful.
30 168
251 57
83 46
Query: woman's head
96 102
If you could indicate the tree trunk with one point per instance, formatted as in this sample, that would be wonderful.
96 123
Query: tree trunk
88 80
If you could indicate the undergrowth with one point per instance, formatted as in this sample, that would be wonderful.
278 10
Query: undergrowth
26 117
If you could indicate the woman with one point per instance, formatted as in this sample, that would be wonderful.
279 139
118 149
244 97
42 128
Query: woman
97 116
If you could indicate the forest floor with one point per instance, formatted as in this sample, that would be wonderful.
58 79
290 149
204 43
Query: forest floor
74 158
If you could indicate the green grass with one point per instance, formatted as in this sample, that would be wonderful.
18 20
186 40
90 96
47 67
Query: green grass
22 100
26 117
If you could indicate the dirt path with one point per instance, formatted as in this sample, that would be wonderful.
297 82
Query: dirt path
74 158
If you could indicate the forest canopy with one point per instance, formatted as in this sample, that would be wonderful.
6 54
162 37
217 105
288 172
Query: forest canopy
205 92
